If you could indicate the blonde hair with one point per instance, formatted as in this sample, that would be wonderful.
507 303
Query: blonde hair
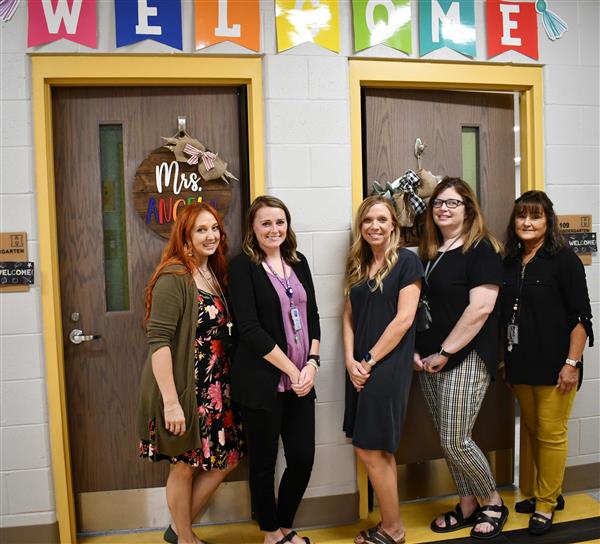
473 226
250 245
360 255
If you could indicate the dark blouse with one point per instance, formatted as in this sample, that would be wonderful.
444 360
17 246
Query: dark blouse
447 291
554 299
259 327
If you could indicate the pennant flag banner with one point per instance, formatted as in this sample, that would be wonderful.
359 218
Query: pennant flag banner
158 20
511 26
51 20
382 21
301 21
235 21
447 23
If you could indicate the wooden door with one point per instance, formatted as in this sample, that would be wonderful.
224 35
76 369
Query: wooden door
446 121
107 254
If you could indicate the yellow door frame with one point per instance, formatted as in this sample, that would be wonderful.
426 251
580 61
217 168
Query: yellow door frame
109 70
473 76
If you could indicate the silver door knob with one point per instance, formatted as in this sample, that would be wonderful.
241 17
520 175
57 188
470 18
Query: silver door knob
76 336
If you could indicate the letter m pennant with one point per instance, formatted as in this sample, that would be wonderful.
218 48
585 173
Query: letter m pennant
511 26
51 20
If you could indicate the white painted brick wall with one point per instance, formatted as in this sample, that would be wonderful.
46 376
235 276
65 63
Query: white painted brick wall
308 164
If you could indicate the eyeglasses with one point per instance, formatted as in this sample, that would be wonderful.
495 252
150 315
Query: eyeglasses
451 203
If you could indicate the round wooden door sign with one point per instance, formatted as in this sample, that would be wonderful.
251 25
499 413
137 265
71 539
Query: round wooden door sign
163 186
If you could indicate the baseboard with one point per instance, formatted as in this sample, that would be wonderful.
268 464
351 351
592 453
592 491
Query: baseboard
30 534
327 511
581 477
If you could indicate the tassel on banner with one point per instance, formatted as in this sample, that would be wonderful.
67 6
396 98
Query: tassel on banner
554 26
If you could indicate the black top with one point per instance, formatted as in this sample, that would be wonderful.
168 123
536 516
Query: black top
553 300
447 291
259 326
374 417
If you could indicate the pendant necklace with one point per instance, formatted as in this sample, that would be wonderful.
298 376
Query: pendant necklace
216 286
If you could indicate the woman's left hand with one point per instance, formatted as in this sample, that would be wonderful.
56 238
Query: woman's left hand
568 378
306 381
434 363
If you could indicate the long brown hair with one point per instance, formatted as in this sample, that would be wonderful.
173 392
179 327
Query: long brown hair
473 226
534 203
361 255
177 251
250 244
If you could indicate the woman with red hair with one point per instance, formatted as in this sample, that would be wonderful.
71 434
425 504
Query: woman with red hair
185 414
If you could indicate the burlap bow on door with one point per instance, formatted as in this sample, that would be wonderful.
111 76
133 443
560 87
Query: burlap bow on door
192 151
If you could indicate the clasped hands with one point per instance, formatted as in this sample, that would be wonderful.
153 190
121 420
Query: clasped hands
432 364
359 373
303 380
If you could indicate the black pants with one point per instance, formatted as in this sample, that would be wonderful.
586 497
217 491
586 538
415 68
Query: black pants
294 419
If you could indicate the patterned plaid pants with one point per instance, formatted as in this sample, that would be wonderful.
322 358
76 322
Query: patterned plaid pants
454 399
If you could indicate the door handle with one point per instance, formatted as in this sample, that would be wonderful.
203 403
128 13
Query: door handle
77 337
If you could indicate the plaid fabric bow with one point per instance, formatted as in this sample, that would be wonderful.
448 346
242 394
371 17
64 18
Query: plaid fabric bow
406 183
208 158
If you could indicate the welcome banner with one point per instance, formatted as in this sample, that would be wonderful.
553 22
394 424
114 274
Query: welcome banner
51 20
382 21
158 20
447 23
302 21
511 26
235 21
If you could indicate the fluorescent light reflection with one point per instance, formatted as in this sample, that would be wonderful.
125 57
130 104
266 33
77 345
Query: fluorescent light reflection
397 18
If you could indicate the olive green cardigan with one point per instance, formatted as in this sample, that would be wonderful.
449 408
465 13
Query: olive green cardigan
172 323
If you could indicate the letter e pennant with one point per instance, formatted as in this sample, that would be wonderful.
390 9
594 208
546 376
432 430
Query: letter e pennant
511 25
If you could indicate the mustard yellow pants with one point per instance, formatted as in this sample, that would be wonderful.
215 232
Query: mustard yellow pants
544 415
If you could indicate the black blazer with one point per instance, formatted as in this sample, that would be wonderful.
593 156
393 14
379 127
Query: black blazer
259 325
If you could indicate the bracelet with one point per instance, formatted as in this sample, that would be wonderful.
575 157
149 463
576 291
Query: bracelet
316 358
313 364
444 353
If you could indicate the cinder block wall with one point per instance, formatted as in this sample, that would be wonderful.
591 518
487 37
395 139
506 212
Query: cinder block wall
307 151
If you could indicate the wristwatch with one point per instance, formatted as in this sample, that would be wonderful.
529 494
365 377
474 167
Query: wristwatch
444 353
368 358
574 363
315 358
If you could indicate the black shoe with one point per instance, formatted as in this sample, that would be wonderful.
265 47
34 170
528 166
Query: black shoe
540 525
170 536
527 506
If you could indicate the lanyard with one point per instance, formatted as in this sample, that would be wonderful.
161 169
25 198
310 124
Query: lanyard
428 270
285 281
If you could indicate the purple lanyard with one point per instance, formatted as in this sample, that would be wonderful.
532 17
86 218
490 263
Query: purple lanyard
285 281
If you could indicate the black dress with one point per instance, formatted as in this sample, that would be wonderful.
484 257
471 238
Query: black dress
374 417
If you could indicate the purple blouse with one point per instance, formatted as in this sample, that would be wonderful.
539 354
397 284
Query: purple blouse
296 351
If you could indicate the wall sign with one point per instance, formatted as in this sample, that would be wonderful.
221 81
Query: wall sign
16 273
13 256
164 184
578 225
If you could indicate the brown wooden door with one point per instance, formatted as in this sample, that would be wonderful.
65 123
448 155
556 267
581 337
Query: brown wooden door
393 119
102 375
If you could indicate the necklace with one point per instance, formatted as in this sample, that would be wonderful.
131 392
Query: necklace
216 286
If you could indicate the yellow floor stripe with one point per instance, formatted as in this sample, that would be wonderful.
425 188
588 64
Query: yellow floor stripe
417 516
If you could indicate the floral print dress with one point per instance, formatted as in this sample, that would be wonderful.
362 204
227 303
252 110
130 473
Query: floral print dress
223 441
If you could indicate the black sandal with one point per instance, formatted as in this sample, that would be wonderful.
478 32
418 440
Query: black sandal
380 536
539 525
363 535
458 515
496 523
527 506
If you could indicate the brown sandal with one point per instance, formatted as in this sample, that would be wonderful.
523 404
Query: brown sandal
361 537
